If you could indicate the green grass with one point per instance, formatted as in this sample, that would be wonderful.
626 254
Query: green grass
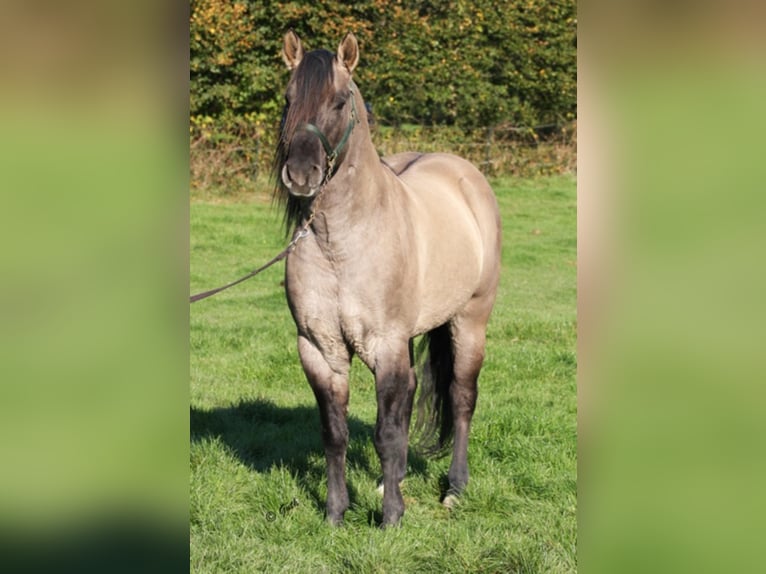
257 466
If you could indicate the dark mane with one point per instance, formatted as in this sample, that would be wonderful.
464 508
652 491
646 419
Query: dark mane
314 81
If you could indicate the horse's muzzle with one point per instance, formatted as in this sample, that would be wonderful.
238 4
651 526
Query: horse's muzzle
302 181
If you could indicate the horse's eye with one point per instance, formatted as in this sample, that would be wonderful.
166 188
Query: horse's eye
339 104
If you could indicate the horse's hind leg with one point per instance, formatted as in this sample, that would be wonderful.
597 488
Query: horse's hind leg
331 391
468 338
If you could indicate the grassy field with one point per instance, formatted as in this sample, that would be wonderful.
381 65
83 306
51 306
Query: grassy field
257 482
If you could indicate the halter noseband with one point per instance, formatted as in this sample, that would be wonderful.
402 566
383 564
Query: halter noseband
333 153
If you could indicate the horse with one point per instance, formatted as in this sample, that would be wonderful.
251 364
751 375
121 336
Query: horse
385 250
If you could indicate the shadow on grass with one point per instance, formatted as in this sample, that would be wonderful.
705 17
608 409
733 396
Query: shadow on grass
262 434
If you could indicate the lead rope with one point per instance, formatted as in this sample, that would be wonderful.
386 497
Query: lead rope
297 236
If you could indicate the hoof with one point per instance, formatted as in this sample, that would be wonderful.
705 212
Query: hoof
381 490
451 501
388 525
391 523
334 520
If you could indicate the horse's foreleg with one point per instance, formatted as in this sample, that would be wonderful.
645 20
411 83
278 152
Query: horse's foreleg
412 385
401 470
330 386
394 382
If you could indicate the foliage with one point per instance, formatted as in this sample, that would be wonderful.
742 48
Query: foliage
228 155
231 71
470 63
257 483
232 156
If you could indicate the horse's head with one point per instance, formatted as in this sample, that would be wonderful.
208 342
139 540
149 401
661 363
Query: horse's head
320 113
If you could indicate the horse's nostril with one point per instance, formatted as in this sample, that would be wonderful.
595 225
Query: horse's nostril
286 179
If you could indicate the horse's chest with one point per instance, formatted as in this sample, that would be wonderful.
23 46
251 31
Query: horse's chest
357 301
333 315
320 301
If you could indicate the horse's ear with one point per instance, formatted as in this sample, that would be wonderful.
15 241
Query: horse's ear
348 52
292 50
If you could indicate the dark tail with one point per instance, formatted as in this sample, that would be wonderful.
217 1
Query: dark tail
435 359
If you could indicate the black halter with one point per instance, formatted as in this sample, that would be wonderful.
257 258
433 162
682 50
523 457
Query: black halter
333 153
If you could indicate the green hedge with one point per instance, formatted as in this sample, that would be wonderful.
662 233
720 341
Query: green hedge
233 157
466 63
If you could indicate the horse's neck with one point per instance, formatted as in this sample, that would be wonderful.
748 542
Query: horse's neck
354 195
361 174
